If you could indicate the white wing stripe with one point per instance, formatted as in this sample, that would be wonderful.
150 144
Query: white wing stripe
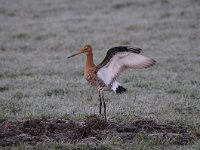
119 63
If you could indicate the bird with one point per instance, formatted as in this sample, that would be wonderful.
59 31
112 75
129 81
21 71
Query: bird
103 76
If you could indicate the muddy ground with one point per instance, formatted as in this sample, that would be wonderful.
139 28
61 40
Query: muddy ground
91 131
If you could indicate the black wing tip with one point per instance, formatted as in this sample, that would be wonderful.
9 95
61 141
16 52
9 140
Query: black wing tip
134 49
120 90
126 49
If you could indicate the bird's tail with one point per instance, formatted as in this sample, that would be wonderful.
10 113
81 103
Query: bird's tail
117 88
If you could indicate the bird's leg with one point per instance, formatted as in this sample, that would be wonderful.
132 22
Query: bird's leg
100 103
104 105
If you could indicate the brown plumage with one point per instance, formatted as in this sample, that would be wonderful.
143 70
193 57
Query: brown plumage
117 59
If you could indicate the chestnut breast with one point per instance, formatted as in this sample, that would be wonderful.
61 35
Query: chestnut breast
89 72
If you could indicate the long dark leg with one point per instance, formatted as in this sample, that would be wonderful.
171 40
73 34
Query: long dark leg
104 106
100 103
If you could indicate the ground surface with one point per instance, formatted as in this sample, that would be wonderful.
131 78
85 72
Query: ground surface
37 81
92 131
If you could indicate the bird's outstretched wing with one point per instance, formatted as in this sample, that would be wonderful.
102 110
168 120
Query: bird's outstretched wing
113 51
119 59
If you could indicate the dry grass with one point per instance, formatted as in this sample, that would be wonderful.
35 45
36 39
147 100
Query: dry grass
36 79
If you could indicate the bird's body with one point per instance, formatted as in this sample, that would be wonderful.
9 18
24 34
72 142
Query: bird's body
117 59
90 72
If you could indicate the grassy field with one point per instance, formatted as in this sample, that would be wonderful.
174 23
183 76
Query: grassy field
37 81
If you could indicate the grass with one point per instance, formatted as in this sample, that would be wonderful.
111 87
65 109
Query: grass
108 144
36 79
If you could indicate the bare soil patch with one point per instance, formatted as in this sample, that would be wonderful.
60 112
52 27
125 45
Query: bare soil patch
90 131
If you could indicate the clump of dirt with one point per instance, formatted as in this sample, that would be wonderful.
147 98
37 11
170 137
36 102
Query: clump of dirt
93 128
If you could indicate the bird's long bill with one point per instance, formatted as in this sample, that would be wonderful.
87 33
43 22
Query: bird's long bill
77 53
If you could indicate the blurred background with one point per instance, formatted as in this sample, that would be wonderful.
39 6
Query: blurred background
37 80
53 25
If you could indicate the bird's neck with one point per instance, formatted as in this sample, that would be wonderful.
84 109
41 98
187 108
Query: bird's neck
89 60
89 66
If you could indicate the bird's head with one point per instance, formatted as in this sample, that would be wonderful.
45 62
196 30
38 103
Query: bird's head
86 49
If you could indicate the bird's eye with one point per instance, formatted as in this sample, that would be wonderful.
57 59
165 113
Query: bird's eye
85 49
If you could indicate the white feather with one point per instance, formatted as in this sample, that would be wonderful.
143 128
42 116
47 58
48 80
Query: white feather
115 86
119 63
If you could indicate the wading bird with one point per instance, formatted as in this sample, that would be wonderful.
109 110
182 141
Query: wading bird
116 61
